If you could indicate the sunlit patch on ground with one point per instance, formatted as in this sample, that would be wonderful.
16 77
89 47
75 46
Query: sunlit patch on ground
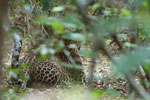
68 93
76 92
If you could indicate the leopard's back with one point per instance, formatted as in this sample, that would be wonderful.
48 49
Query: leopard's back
41 71
49 72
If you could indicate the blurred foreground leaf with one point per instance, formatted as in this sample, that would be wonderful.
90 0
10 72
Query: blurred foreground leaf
96 94
130 61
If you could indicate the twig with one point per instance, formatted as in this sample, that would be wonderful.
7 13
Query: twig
138 88
117 41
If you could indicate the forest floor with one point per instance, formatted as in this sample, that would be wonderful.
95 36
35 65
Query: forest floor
106 81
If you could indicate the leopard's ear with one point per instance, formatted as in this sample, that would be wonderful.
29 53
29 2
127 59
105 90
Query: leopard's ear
17 49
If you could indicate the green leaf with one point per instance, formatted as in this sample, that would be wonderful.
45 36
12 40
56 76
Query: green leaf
55 23
97 94
72 22
108 41
58 9
130 44
107 12
146 66
131 60
125 12
85 53
58 26
59 45
75 37
95 6
145 4
72 46
13 74
142 36
25 66
42 19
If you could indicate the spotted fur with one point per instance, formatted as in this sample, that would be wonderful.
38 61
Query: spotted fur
46 71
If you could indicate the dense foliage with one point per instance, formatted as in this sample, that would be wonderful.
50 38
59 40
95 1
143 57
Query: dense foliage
95 24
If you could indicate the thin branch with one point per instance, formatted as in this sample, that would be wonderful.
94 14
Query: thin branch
117 41
144 78
138 88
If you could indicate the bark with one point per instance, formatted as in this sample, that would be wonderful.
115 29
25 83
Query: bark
3 12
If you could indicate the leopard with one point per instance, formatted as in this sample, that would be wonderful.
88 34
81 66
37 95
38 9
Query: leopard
73 73
46 71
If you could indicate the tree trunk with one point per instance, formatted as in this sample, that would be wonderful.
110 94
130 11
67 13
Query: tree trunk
3 13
